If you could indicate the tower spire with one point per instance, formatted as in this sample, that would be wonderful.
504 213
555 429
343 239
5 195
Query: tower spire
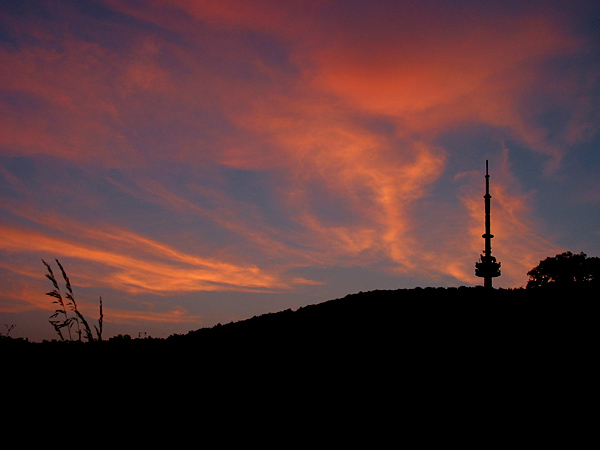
487 267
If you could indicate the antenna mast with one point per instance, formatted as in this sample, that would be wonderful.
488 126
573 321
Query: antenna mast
487 267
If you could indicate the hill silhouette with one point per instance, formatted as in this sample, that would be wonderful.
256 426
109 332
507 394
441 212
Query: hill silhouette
492 359
469 317
446 323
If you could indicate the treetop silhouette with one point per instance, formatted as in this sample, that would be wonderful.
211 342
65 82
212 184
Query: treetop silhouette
565 270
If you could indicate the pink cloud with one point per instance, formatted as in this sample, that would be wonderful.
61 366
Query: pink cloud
336 106
136 264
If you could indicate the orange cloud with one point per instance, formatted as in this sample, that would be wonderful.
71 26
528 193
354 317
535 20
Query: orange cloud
176 315
377 178
135 264
336 107
436 65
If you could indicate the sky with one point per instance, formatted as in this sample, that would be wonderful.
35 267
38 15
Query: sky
200 162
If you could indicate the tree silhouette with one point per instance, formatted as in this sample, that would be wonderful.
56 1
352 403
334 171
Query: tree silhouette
565 270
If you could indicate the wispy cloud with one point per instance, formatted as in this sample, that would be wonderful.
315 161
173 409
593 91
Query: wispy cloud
180 147
133 263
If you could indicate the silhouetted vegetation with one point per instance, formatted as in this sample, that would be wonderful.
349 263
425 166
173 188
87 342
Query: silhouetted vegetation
7 340
9 328
500 353
427 333
455 319
61 319
565 270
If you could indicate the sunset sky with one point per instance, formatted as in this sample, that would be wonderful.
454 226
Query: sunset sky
196 162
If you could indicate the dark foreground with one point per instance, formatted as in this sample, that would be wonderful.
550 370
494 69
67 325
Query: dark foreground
465 366
445 323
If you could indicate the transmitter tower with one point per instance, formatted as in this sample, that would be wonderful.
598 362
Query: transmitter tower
487 267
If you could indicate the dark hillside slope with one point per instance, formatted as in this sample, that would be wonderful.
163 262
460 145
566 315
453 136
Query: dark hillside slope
463 365
464 320
433 351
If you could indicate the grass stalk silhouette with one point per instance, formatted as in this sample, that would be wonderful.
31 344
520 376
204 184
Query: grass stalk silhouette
77 318
100 321
57 323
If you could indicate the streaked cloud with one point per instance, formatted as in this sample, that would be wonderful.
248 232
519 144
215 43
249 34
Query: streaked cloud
178 148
